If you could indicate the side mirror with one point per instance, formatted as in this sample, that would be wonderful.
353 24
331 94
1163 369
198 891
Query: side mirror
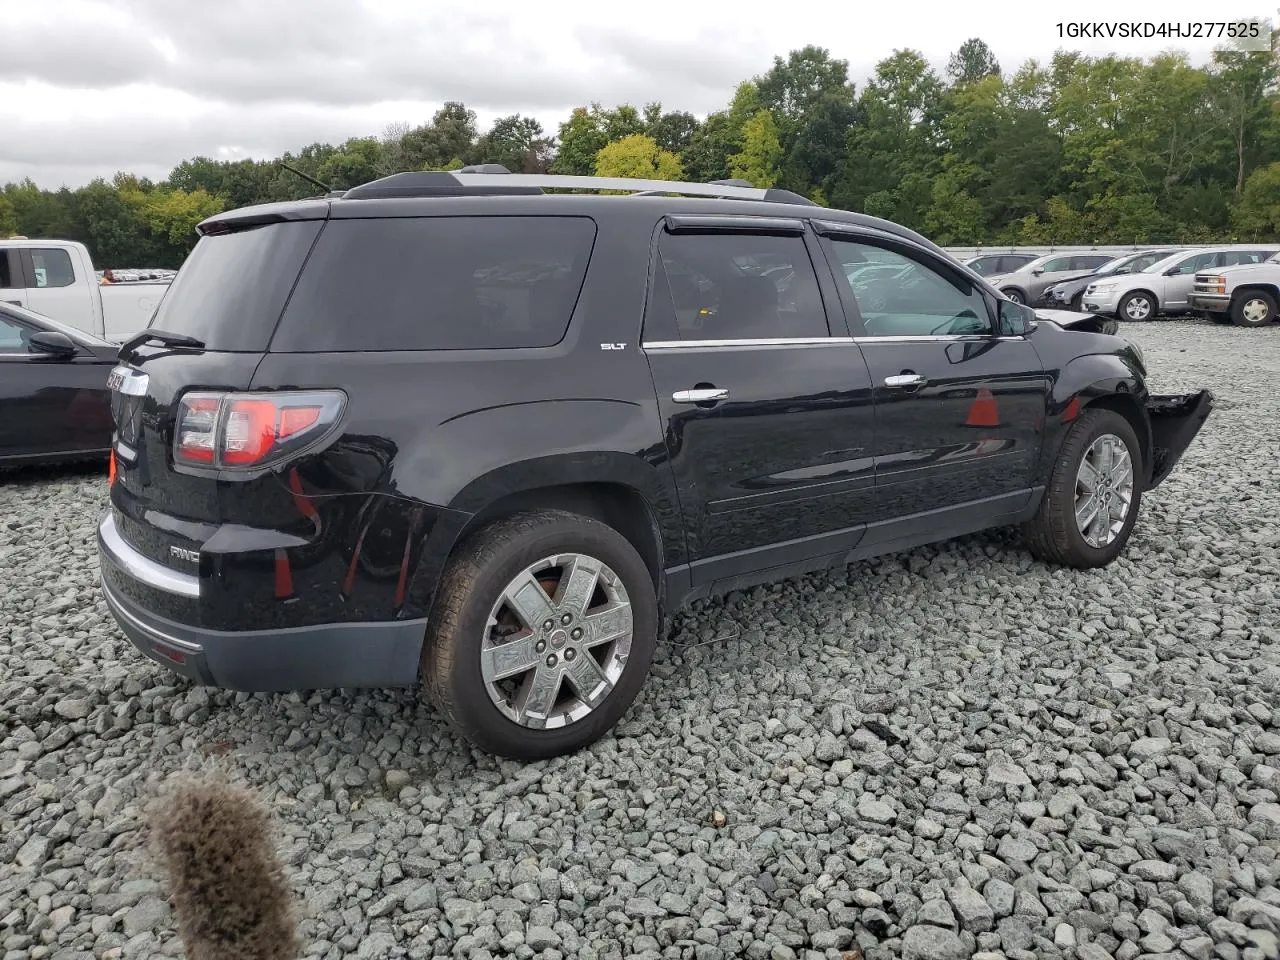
1173 271
52 343
1016 319
1037 271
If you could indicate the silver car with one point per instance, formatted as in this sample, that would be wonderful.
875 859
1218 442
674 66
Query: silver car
1165 286
1027 283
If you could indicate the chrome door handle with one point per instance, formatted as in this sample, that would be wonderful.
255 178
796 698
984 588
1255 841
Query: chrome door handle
705 395
906 380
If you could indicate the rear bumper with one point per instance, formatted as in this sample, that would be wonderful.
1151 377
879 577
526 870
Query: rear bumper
327 656
1175 422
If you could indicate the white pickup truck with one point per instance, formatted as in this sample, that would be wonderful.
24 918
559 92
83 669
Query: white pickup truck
57 278
1248 295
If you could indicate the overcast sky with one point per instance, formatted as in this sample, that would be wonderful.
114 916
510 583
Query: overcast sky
89 87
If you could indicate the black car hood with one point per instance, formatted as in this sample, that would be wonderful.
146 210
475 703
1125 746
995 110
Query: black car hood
1084 322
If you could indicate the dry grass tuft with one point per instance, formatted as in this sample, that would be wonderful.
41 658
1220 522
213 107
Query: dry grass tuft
214 843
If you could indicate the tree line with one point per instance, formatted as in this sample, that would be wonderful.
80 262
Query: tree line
1079 150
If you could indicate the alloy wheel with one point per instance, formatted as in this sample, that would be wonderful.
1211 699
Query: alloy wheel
557 641
1104 490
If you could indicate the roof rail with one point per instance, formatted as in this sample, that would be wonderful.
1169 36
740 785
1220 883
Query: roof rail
728 189
494 178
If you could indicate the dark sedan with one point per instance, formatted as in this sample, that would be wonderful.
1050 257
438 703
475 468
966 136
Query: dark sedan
54 402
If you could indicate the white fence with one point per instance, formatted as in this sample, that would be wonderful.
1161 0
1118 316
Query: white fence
964 253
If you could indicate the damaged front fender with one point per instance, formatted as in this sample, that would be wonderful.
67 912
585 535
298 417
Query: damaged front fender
1175 421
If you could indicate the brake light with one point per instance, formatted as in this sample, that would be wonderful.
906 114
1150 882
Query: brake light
251 430
111 469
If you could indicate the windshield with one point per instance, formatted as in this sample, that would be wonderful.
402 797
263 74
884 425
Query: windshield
1161 265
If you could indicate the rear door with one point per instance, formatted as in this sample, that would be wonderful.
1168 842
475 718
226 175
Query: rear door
1180 279
959 406
767 416
13 284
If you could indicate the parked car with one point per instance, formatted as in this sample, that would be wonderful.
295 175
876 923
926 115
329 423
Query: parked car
57 278
54 401
991 264
1165 286
558 418
1246 295
1069 294
1027 283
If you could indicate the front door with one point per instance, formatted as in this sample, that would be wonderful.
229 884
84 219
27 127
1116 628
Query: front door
768 418
13 284
959 407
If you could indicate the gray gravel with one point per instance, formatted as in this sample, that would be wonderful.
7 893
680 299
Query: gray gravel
950 753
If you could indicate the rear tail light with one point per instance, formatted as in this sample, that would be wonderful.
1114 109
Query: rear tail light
251 430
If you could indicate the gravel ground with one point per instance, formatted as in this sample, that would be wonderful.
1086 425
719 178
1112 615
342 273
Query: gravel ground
874 764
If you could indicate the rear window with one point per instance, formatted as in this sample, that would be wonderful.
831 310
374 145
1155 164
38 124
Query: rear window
230 291
438 283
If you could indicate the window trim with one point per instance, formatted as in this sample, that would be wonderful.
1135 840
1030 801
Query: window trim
875 238
743 225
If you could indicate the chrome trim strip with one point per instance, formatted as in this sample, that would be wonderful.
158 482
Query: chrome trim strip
144 569
763 342
809 341
119 610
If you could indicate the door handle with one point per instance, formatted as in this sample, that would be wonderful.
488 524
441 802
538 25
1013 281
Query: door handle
701 395
906 380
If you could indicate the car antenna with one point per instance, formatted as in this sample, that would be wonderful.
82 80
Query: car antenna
306 176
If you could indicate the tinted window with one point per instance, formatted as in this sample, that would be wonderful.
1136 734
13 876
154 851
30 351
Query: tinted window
439 283
1056 264
10 275
914 300
1199 262
726 286
1010 264
231 289
52 267
1246 256
13 338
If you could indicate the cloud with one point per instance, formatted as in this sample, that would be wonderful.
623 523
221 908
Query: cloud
88 87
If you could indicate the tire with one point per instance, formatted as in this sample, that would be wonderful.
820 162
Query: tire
1247 310
1077 303
1014 294
471 609
1054 535
1137 306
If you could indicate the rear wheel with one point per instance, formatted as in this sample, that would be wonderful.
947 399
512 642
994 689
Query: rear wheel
1094 493
545 628
1138 305
1254 308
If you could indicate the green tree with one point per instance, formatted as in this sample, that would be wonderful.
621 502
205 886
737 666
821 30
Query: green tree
581 139
516 142
637 156
971 63
1257 215
171 217
357 161
8 218
760 159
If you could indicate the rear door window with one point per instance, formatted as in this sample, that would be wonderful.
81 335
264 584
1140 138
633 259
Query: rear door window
734 286
438 283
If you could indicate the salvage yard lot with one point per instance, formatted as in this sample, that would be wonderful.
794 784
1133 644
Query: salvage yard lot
935 753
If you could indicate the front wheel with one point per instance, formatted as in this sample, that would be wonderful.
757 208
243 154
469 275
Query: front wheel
1253 309
1137 306
1014 294
545 627
1094 493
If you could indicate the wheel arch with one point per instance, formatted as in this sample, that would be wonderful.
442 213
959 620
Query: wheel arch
623 491
1096 381
1015 288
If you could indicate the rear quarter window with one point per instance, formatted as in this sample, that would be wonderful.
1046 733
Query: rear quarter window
438 283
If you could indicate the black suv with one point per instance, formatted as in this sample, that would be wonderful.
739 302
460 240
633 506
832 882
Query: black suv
464 427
